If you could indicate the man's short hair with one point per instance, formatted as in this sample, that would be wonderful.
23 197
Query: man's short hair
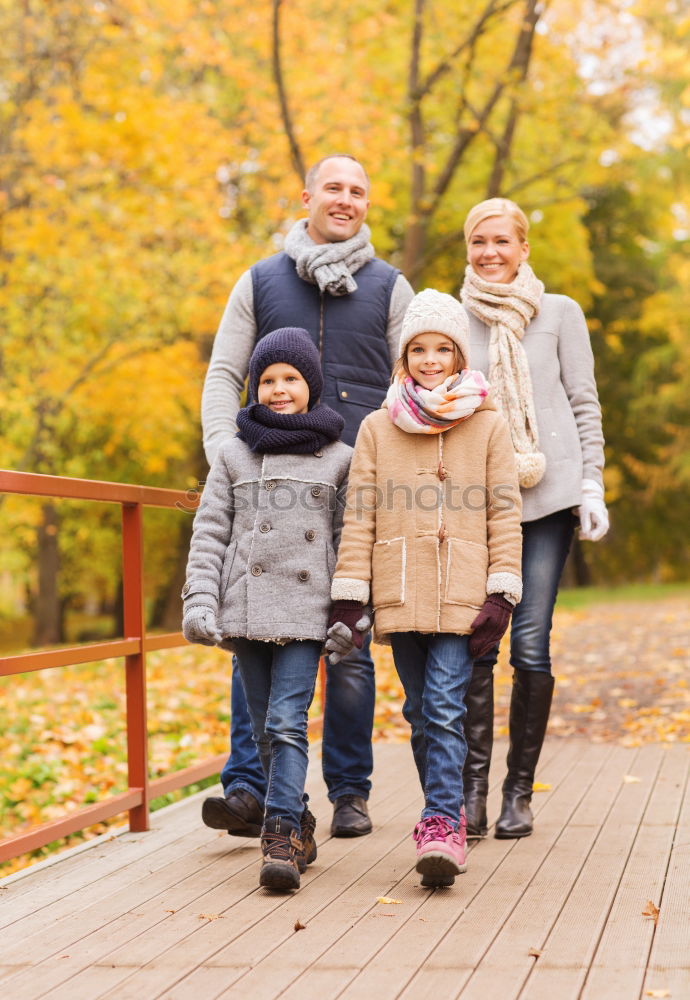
312 173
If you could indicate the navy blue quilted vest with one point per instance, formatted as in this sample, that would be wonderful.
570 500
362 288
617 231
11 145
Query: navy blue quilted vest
349 330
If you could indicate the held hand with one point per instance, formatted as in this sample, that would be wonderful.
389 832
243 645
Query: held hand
489 625
594 518
348 623
199 625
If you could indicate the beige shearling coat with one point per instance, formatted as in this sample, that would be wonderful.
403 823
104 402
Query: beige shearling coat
432 524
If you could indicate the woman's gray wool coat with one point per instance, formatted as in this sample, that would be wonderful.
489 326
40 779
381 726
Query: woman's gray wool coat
265 540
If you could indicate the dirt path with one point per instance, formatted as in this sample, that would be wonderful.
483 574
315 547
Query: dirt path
622 674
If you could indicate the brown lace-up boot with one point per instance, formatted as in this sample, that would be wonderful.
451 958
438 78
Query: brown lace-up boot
281 849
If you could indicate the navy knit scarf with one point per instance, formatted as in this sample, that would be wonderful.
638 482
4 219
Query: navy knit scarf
288 433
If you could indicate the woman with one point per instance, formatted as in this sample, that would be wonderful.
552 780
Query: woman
534 347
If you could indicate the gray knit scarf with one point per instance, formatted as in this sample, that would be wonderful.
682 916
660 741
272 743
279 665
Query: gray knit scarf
507 309
329 265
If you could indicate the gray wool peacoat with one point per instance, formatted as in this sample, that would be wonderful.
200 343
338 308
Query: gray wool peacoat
265 540
561 364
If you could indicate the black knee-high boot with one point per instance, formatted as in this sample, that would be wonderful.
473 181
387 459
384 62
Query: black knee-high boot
479 733
529 713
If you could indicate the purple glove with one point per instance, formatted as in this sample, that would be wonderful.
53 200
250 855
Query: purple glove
489 625
349 613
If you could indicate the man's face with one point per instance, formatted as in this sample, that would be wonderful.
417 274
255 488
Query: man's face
338 204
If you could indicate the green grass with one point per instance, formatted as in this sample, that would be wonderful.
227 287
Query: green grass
572 598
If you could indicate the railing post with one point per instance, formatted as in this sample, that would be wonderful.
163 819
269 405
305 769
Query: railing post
135 663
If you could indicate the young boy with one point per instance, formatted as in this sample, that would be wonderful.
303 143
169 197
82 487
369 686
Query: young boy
261 560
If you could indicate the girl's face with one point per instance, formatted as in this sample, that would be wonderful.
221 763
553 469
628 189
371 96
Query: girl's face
283 389
431 358
495 251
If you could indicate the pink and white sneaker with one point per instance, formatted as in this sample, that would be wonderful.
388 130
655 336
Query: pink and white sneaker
440 850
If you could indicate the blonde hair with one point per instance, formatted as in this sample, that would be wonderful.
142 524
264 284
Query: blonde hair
492 207
401 365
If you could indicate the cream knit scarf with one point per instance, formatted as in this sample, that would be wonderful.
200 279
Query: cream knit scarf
507 309
329 265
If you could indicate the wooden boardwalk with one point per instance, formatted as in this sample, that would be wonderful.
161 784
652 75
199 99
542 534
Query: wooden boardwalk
176 913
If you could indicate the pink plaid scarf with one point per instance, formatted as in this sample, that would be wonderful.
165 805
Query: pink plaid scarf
431 411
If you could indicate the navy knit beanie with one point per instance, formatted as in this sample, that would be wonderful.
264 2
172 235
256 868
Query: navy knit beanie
291 345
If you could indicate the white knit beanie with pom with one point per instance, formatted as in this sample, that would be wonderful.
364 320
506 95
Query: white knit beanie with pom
435 312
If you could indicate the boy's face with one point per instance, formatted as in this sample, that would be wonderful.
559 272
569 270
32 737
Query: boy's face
431 358
283 389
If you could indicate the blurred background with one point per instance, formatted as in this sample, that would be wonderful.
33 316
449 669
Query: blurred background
154 149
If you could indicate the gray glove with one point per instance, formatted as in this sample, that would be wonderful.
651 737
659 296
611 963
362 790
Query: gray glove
339 639
199 625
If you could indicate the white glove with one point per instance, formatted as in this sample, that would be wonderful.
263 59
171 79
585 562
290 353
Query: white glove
199 625
339 640
594 518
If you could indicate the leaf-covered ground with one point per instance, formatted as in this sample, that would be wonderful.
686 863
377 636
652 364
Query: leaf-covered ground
622 669
622 674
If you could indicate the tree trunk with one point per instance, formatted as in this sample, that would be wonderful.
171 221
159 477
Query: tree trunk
167 611
48 614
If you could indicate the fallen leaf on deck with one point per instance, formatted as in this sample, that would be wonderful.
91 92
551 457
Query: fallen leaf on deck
171 911
657 993
540 786
630 779
210 916
387 899
534 953
652 910
299 926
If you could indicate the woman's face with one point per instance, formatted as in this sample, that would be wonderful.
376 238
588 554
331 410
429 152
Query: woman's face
495 251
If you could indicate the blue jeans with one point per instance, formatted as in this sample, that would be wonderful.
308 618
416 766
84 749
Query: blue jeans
279 683
435 671
347 758
545 546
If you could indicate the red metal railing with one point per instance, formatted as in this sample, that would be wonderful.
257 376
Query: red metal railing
133 647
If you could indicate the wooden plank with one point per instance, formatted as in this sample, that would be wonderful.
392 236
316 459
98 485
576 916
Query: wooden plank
125 907
282 970
410 948
669 962
500 872
378 876
367 949
507 963
182 942
569 949
25 893
227 938
620 961
133 930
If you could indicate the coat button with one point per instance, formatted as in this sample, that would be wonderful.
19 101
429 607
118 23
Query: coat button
264 527
310 535
318 454
270 484
303 574
343 394
316 491
185 589
256 571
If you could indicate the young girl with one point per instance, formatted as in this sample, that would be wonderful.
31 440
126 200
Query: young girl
432 538
259 573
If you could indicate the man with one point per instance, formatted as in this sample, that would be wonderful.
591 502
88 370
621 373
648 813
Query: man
328 281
